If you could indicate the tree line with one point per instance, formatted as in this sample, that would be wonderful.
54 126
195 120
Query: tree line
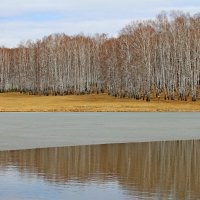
149 57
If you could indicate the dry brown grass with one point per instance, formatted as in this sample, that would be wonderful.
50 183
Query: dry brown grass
16 102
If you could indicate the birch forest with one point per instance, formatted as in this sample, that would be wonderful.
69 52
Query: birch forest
148 58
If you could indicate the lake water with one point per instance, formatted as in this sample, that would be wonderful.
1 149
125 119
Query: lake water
150 170
35 130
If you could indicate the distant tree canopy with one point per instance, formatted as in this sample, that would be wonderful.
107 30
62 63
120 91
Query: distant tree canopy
160 56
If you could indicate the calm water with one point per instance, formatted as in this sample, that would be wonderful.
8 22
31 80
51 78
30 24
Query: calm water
156 170
36 130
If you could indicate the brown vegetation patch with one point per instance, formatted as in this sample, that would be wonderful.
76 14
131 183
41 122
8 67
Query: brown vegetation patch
17 102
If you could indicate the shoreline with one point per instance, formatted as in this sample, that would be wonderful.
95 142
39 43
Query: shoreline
43 130
16 102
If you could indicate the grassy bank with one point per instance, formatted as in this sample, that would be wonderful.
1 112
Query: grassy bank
92 103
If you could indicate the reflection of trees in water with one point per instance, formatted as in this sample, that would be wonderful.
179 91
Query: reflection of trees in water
170 167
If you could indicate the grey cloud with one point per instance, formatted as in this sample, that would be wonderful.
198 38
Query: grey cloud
14 7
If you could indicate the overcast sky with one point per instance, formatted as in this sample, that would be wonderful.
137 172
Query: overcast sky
21 20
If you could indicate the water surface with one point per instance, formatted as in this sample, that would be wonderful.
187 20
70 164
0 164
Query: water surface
151 170
36 130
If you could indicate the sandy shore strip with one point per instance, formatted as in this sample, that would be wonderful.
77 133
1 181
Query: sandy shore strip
38 130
